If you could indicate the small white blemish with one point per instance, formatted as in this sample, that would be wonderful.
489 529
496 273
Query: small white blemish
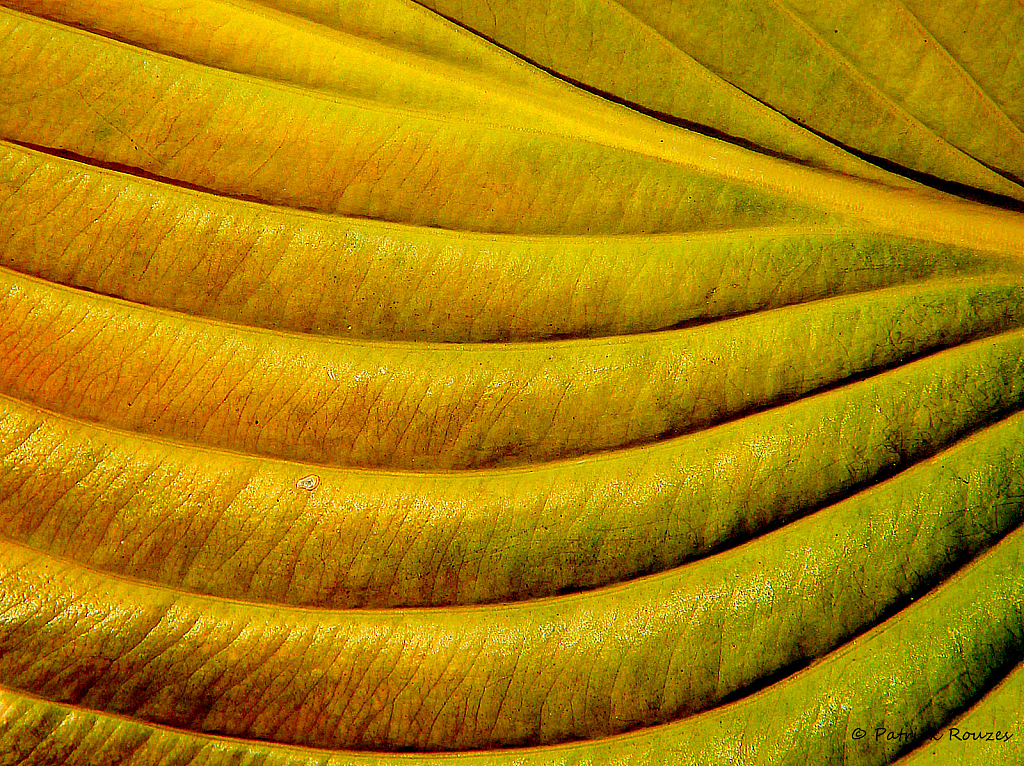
331 374
310 482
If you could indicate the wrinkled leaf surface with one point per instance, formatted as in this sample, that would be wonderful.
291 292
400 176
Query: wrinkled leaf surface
577 382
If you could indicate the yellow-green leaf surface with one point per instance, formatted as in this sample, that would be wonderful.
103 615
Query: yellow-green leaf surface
577 382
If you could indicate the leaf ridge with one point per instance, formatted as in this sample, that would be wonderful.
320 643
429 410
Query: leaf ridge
967 77
682 738
896 108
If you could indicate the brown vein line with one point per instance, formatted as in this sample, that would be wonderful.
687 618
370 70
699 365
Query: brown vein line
220 738
1004 680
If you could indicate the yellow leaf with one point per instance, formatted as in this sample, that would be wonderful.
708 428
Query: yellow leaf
556 383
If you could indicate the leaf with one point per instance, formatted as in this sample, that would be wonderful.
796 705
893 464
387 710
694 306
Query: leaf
865 76
578 382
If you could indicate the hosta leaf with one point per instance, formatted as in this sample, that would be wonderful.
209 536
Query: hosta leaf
254 41
977 735
371 539
275 46
927 661
340 155
117 234
451 406
872 77
637 654
546 383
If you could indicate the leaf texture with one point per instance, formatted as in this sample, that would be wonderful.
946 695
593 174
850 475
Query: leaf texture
580 382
